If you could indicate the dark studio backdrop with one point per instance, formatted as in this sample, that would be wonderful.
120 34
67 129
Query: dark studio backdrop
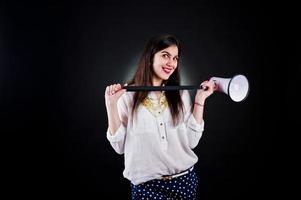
57 58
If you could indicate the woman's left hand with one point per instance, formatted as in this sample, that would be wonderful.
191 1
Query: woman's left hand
207 88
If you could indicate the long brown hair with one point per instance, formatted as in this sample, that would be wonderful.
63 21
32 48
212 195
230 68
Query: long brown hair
144 73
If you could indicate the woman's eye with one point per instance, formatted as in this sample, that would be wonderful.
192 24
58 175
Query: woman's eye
165 56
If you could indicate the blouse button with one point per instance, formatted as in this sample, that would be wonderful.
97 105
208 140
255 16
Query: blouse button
163 137
161 124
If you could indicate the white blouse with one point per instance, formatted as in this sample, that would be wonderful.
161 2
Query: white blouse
151 145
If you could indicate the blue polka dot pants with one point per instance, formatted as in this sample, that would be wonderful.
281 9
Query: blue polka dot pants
182 187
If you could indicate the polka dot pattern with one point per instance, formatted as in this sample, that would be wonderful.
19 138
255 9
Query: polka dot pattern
182 187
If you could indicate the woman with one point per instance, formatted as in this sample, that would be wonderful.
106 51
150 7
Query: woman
156 131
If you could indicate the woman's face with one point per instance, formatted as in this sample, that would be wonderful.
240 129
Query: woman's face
165 62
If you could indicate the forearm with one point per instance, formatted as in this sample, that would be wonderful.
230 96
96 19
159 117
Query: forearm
207 88
113 118
198 111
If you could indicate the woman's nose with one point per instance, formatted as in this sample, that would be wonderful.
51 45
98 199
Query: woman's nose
172 63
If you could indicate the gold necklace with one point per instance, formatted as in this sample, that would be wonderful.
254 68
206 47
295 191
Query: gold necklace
155 106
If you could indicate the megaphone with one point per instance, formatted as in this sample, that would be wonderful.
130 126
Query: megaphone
236 87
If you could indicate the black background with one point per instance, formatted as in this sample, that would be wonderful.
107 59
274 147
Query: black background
57 57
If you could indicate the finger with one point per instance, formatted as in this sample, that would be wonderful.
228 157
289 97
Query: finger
111 89
204 86
212 85
120 92
116 88
107 90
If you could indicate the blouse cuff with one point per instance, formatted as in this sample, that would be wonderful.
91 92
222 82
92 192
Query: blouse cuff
194 125
118 136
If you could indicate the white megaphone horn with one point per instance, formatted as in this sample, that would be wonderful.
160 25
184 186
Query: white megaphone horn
236 87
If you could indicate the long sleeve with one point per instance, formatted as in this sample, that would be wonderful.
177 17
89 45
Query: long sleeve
117 140
194 129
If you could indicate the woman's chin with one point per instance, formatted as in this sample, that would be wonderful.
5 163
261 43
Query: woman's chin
165 78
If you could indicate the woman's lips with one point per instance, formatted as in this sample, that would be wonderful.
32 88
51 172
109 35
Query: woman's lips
167 70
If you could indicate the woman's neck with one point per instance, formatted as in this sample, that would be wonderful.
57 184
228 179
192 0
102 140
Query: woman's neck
157 82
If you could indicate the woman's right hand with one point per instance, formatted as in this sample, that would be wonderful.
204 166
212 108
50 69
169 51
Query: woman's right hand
113 93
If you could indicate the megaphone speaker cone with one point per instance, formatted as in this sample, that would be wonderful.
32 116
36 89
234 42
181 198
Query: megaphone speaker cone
238 88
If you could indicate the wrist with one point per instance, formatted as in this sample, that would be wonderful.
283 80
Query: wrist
200 99
199 104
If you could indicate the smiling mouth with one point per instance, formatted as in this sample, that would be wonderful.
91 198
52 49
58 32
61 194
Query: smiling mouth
167 70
